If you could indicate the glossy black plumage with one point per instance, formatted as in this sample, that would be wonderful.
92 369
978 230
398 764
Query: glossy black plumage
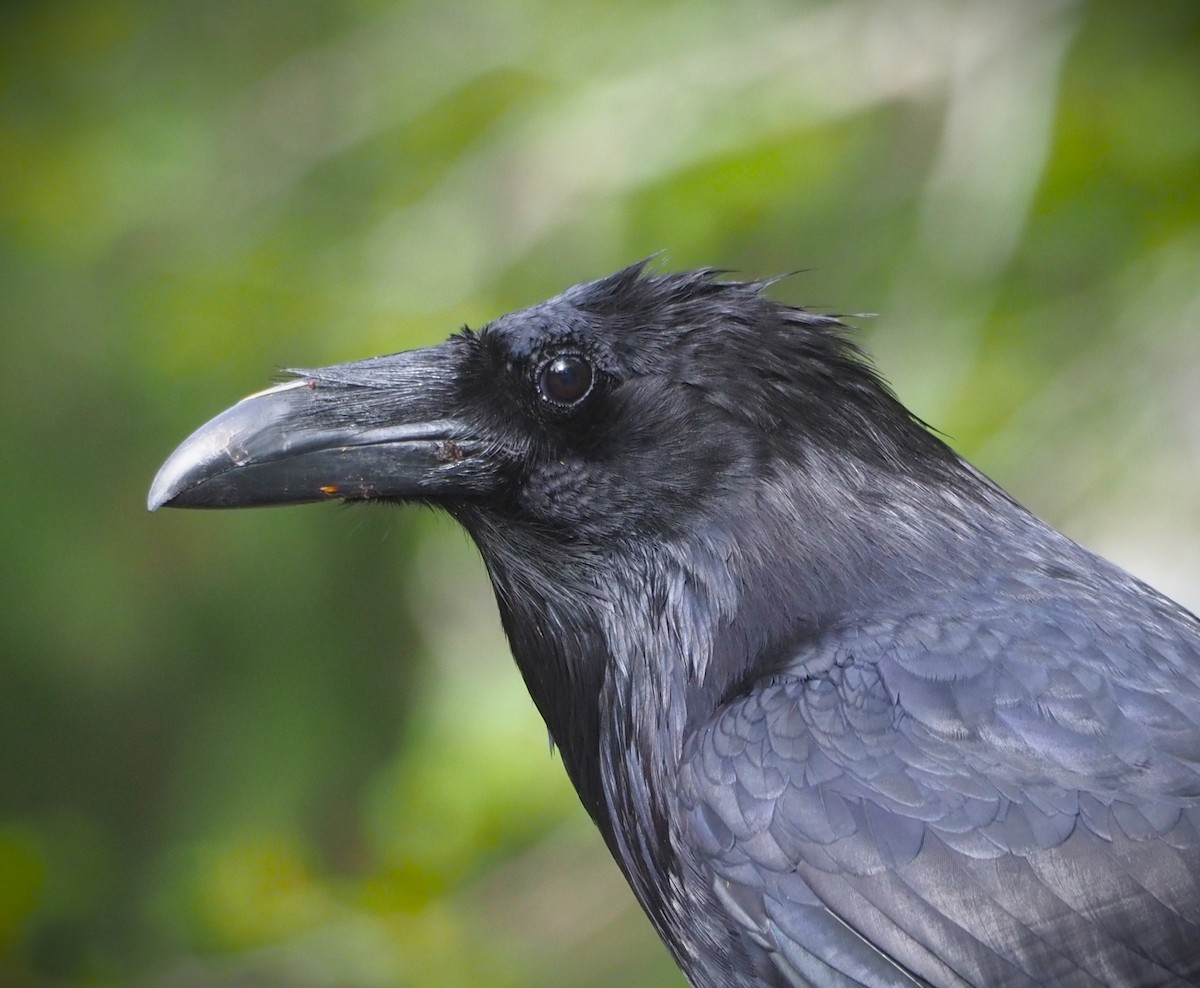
845 714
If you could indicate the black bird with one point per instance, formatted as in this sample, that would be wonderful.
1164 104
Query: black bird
844 712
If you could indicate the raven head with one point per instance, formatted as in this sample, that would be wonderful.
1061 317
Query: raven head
634 405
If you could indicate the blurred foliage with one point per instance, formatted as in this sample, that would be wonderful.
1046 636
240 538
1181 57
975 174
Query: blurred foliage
288 748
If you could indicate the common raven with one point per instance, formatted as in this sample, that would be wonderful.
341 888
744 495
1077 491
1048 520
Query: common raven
844 712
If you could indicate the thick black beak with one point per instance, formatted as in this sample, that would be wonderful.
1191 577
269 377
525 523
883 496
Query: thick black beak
379 428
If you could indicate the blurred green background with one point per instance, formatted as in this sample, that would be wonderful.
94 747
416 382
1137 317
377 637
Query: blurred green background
288 747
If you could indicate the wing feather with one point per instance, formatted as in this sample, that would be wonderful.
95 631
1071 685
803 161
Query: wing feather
931 801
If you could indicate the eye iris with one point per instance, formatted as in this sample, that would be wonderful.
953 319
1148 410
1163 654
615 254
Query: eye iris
566 379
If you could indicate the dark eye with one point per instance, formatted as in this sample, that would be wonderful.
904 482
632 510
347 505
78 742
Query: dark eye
565 379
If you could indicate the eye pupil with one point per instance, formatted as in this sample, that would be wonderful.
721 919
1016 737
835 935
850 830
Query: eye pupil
566 379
